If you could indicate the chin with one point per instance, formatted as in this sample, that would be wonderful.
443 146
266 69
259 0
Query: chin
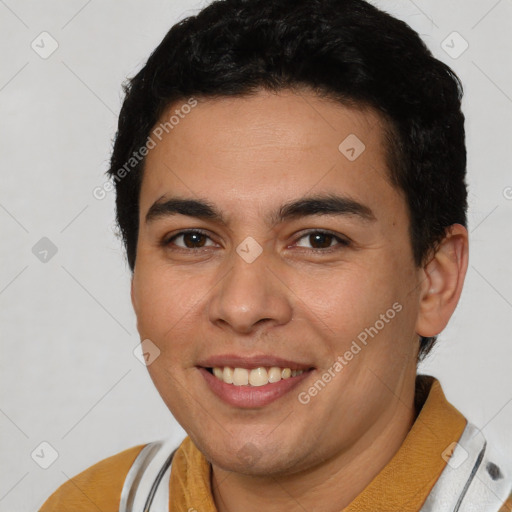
256 468
252 458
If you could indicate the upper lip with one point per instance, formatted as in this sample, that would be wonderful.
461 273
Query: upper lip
249 362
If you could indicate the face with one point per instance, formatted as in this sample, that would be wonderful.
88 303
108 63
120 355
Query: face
263 243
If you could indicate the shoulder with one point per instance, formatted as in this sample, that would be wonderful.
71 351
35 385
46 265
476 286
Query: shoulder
97 488
507 506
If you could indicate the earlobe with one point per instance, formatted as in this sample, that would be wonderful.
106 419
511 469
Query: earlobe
442 282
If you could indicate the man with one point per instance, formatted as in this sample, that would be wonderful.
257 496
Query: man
290 181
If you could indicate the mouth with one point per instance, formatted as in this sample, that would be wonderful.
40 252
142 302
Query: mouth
254 387
254 377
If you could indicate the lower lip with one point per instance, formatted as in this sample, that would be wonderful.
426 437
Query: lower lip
251 396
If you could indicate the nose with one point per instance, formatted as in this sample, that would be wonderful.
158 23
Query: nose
250 295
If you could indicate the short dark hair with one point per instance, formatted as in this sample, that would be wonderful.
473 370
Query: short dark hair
346 50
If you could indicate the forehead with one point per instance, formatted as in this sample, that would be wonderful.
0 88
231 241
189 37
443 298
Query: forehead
249 154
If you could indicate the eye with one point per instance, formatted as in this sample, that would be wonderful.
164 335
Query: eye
192 239
319 240
323 241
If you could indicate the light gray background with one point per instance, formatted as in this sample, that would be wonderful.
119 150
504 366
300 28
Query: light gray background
68 373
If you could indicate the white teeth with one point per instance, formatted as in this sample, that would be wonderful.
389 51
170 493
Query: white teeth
227 375
274 374
240 377
258 377
254 377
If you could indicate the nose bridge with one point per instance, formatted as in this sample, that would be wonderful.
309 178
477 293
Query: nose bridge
250 291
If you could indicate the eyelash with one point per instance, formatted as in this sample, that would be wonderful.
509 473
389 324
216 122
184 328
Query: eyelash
341 241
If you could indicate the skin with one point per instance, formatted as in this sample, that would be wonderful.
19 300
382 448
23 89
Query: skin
294 301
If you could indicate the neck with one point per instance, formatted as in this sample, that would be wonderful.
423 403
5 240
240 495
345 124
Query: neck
327 487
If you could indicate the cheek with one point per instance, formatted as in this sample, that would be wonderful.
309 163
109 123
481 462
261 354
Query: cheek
164 302
349 299
370 304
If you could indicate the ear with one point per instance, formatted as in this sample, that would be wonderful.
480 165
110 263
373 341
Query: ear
442 279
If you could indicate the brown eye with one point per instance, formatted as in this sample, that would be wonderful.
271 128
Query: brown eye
190 239
319 240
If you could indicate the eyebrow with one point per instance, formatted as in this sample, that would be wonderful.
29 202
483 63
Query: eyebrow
325 204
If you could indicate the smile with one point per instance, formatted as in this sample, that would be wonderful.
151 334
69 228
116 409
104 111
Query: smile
253 377
252 388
